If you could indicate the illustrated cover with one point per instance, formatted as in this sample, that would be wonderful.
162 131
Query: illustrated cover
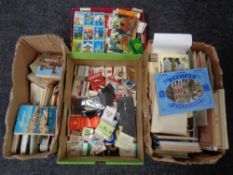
124 30
183 91
88 32
50 66
35 120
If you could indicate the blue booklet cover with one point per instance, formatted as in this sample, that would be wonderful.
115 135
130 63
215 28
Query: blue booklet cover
49 72
183 91
35 120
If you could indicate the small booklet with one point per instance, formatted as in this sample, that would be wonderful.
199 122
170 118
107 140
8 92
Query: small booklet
183 91
35 120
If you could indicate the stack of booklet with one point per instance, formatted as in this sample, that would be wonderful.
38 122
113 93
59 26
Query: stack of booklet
35 123
187 115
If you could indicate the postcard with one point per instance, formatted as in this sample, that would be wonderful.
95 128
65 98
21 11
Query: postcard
99 19
88 33
99 33
183 91
99 46
77 46
173 62
35 120
78 18
49 67
89 18
87 46
78 32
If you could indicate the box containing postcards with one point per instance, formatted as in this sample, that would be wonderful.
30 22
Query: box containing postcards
102 117
102 31
184 106
35 106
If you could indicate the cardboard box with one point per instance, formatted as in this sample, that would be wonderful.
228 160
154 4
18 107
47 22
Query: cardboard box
203 158
106 60
26 50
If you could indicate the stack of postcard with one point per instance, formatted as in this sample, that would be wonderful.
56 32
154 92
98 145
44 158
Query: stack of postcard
99 32
35 123
184 107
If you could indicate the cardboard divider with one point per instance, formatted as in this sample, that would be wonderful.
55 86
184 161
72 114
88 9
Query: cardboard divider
27 48
202 158
62 158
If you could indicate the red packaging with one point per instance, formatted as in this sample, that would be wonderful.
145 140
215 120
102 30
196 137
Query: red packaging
77 123
96 80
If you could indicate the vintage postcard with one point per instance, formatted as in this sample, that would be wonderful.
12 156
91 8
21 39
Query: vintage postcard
88 33
99 33
89 18
77 46
87 46
183 91
78 18
99 19
173 62
98 46
78 32
50 66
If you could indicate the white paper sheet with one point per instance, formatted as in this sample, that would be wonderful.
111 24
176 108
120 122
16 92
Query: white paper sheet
171 43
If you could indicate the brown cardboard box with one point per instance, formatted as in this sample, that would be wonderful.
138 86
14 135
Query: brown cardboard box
62 157
203 158
26 49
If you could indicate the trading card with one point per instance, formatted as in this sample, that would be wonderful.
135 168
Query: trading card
89 18
78 32
98 33
99 19
98 46
87 46
78 18
88 33
77 46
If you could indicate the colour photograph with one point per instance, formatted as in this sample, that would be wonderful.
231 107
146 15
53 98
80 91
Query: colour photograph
78 32
78 18
99 19
89 18
88 33
87 46
98 33
98 46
